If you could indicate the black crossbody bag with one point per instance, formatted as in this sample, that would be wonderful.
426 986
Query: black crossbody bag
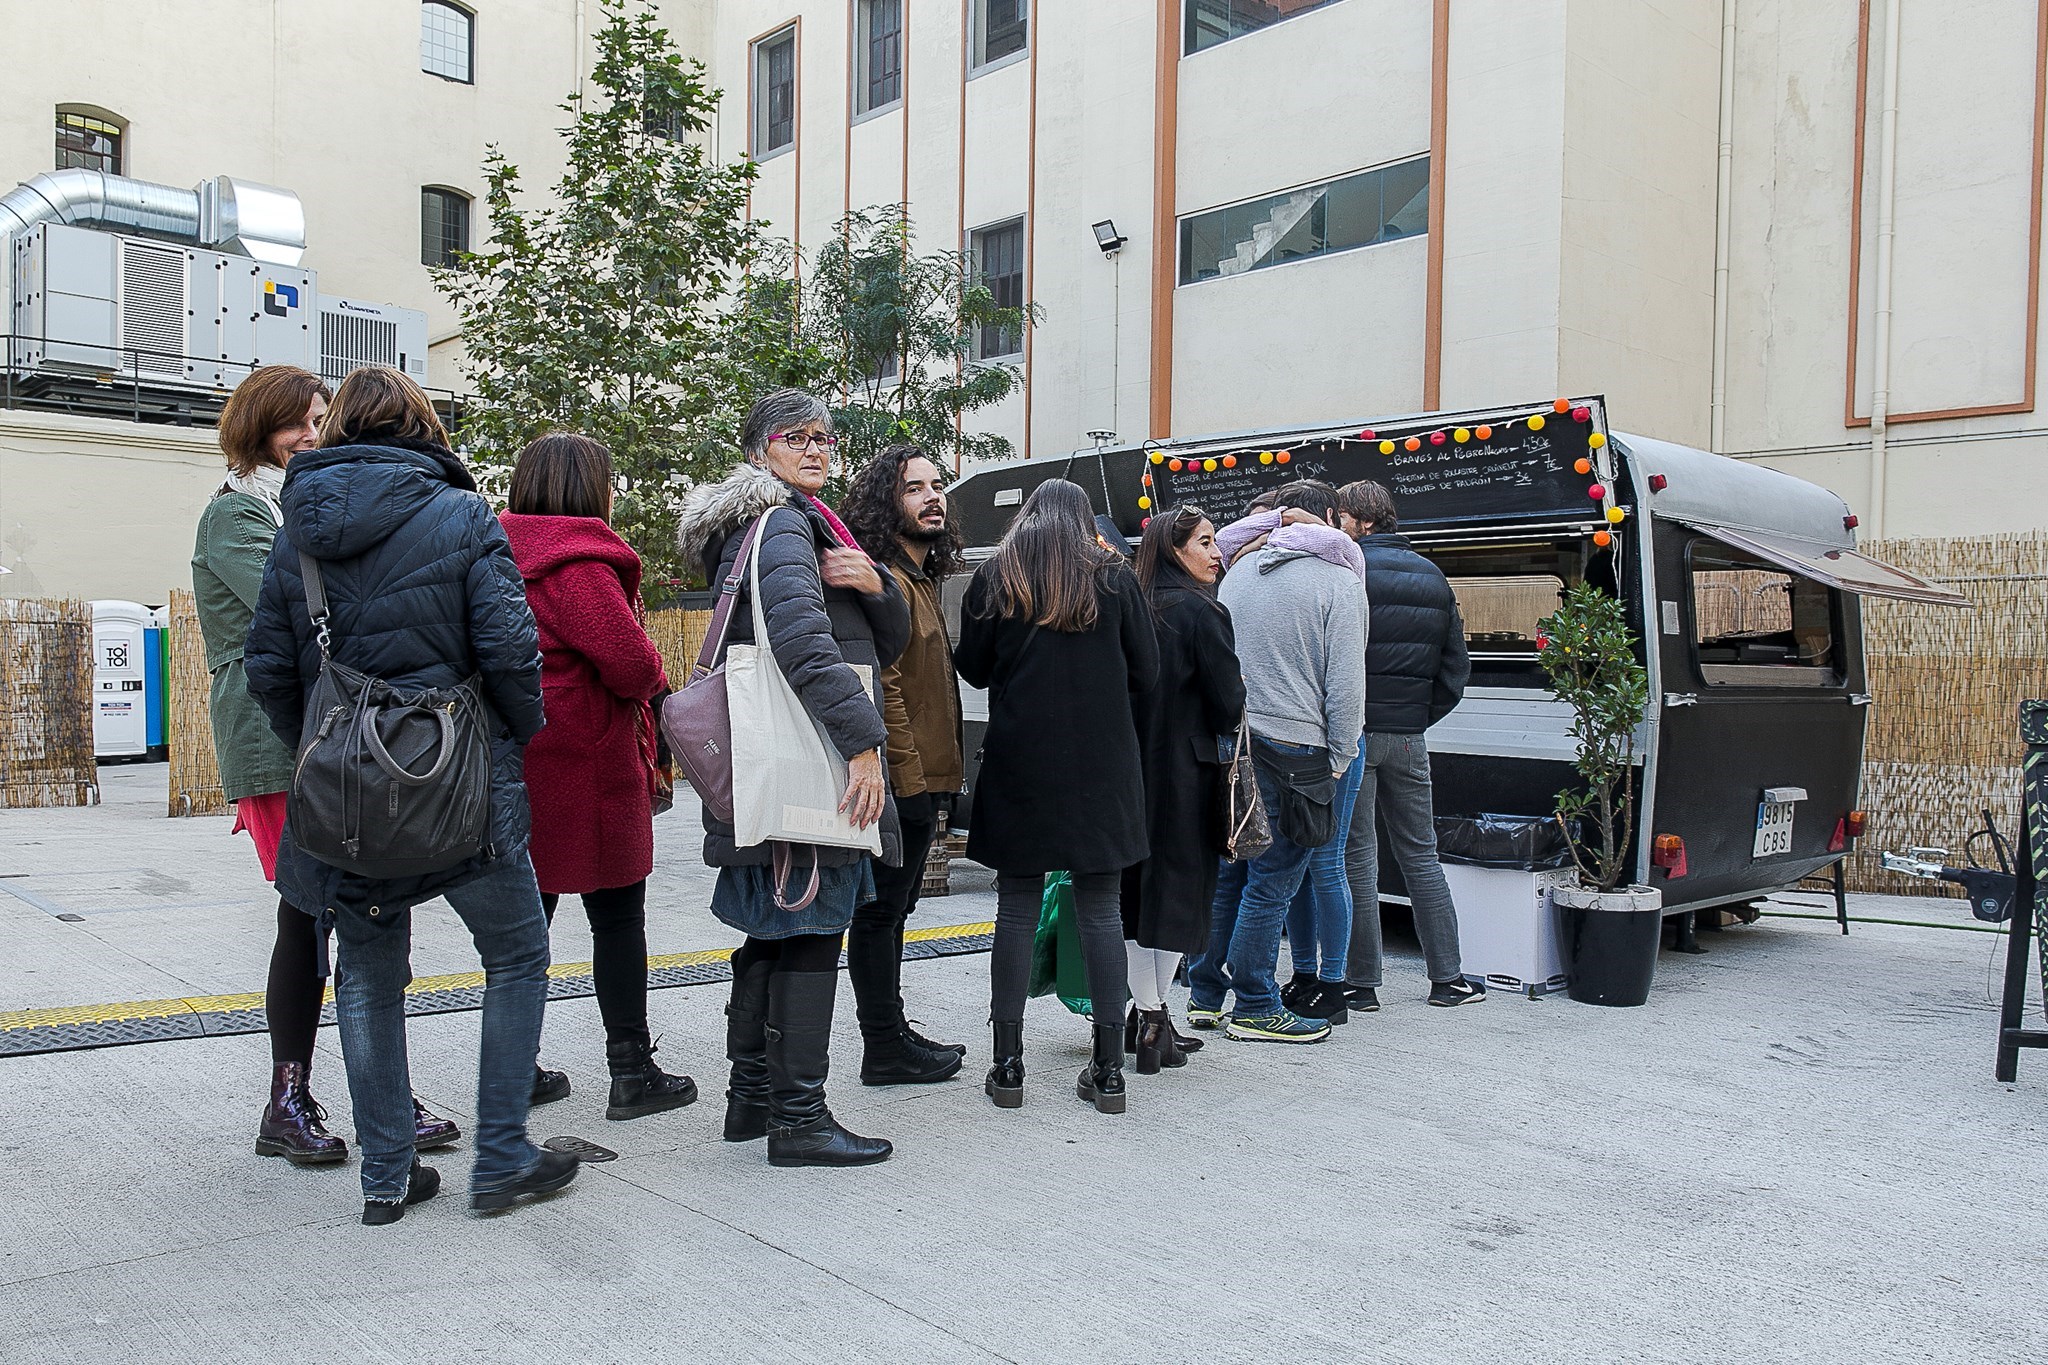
389 783
1308 793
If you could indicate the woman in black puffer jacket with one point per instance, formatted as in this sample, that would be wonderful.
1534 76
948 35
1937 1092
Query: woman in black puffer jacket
422 592
827 605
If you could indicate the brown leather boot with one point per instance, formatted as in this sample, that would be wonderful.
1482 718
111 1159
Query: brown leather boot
292 1124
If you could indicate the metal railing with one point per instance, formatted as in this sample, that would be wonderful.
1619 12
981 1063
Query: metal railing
139 384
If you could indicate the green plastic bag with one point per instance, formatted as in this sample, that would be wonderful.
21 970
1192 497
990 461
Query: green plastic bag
1056 962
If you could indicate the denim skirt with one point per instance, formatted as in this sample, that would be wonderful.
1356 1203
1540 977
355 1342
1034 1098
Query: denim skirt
744 898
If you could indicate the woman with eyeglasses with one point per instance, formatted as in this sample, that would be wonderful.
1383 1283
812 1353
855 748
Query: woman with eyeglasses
1055 627
827 606
1196 701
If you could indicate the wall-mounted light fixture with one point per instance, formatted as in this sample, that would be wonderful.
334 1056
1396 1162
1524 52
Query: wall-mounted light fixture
1108 238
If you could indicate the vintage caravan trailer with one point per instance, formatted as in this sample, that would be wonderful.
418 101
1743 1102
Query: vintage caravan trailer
1743 586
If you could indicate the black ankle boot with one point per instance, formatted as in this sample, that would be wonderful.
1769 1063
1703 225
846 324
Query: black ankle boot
422 1185
1102 1084
746 1047
639 1087
1181 1041
905 1058
1131 1029
1156 1047
549 1086
292 1125
801 1130
1005 1084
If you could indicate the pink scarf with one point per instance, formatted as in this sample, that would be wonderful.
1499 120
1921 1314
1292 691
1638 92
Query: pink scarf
838 527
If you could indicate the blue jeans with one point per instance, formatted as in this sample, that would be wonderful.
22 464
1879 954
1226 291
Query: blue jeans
1319 921
373 968
1245 918
1397 789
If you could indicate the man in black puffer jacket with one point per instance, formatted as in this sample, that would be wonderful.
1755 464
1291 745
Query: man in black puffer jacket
1416 668
422 592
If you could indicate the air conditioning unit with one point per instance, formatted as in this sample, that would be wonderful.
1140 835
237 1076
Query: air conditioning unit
354 333
101 306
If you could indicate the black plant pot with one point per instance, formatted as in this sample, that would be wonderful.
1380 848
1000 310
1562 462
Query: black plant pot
1610 941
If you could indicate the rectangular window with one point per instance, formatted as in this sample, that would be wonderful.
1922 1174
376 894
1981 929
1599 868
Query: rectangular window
1504 586
444 227
1209 22
878 55
774 94
1366 209
1001 29
1754 624
998 253
88 144
447 41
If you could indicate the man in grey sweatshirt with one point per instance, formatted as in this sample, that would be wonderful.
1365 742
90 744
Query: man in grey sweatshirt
1301 624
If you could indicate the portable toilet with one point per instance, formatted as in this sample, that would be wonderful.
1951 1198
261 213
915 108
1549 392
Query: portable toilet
156 663
120 680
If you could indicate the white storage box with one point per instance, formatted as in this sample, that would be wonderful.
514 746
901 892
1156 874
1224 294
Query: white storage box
1507 928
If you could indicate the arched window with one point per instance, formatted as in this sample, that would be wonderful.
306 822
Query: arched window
90 139
447 41
444 226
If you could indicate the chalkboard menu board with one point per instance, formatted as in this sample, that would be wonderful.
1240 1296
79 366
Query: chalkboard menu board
1513 472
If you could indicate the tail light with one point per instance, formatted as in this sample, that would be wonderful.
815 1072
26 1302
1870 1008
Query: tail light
1854 823
1668 852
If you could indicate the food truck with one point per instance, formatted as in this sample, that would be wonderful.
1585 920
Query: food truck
1743 586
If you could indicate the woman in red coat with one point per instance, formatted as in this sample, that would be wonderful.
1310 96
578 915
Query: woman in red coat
590 772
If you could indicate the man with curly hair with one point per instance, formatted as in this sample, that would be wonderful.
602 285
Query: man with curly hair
896 509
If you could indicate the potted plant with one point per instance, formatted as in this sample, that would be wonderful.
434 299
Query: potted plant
1610 932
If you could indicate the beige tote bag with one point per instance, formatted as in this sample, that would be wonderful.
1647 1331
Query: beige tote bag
787 778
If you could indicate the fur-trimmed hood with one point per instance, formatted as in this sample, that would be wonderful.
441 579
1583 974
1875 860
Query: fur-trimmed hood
717 509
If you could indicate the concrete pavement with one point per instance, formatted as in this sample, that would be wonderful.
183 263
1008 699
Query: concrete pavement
1795 1152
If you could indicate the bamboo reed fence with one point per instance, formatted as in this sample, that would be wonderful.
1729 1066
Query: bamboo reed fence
46 748
678 634
1943 742
195 777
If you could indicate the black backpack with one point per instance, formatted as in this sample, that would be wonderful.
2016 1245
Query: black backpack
389 783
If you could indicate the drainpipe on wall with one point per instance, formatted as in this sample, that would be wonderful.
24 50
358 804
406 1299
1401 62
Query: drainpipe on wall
1717 420
1887 194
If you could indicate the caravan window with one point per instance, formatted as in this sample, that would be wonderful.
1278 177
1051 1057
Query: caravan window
1504 587
1756 625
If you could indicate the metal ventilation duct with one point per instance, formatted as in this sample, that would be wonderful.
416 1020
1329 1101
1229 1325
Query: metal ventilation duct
238 216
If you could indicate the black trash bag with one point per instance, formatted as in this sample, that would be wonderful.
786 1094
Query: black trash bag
1518 843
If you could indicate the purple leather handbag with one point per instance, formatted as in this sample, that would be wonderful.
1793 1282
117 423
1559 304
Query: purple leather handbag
696 718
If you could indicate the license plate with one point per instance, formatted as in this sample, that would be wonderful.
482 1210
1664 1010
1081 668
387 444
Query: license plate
1773 828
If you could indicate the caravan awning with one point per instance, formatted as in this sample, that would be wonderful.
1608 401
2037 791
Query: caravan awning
1843 569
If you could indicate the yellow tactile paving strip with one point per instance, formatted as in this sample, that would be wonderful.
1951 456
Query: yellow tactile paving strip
126 1011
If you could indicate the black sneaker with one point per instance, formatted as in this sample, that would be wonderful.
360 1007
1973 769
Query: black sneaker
549 1086
1460 992
422 1185
1326 1002
1364 999
1297 990
552 1172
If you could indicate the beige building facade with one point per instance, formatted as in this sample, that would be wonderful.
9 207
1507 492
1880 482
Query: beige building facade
1741 220
1803 234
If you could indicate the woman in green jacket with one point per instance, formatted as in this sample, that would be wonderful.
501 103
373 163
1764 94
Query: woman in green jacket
272 415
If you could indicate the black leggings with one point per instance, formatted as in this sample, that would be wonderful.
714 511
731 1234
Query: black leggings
618 948
1100 919
797 953
292 996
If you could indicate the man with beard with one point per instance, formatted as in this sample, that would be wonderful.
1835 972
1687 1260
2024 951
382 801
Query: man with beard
896 509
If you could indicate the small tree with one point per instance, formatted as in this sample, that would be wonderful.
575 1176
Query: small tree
1589 652
893 335
610 313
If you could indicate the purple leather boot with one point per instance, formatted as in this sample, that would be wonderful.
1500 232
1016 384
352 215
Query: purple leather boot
292 1124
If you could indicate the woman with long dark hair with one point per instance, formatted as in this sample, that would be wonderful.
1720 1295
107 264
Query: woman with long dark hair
1055 627
423 593
1196 701
272 416
834 622
590 772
